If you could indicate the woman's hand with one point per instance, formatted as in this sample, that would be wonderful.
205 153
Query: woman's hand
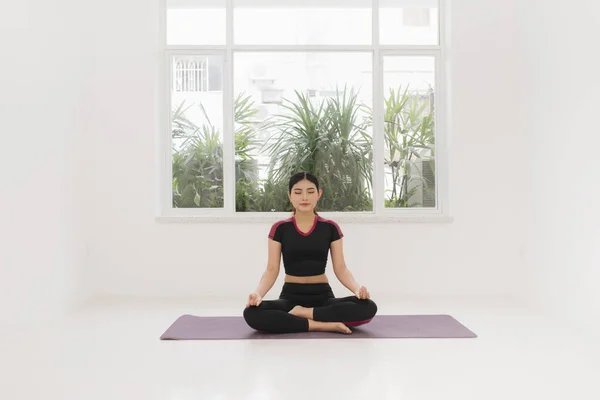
254 299
362 293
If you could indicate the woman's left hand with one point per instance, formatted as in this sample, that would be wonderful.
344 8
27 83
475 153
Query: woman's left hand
362 293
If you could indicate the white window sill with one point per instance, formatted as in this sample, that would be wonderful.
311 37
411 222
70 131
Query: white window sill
338 217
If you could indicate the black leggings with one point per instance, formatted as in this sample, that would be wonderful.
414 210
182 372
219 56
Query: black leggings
273 315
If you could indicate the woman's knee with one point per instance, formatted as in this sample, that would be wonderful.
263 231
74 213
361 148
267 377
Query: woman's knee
365 314
251 317
370 308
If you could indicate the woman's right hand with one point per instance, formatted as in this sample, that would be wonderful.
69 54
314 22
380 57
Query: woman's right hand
254 300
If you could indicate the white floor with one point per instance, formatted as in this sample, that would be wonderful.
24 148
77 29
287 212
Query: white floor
111 351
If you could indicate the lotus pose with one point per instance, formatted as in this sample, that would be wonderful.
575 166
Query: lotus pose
306 302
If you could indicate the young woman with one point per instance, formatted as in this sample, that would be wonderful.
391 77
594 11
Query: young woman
307 302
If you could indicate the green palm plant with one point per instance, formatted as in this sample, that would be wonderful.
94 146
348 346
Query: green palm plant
268 197
408 135
296 143
349 169
198 158
245 137
326 138
197 165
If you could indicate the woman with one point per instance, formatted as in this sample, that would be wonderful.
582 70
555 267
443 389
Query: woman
306 302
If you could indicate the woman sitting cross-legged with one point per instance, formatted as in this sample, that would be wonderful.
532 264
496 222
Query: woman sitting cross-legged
306 302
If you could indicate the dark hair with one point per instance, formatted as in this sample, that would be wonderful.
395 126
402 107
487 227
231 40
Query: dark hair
299 177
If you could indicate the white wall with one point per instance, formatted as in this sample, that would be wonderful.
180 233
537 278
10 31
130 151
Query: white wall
479 254
40 83
86 97
561 68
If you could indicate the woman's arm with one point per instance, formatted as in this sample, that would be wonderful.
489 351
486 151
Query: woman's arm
270 275
340 269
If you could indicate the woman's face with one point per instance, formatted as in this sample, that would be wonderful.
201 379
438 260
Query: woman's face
304 196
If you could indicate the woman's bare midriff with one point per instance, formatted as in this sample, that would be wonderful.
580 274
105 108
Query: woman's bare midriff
306 279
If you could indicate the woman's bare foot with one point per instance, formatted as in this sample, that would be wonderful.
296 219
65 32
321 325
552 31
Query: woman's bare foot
303 312
328 327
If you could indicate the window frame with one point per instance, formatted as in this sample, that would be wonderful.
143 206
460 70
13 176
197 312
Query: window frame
166 212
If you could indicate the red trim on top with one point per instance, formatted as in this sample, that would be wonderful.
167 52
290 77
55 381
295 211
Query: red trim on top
275 225
358 323
311 229
334 224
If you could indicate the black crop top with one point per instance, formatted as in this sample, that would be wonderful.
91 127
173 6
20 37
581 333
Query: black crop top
305 254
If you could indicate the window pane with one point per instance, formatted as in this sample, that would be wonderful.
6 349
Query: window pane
197 131
409 131
316 22
409 22
193 22
303 111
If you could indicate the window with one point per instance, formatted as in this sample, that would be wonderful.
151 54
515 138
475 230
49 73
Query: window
260 89
409 22
197 74
416 17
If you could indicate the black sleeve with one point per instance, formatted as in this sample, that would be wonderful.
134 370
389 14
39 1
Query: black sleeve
336 232
275 232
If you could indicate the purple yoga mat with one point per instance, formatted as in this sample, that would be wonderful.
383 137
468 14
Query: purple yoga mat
190 327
